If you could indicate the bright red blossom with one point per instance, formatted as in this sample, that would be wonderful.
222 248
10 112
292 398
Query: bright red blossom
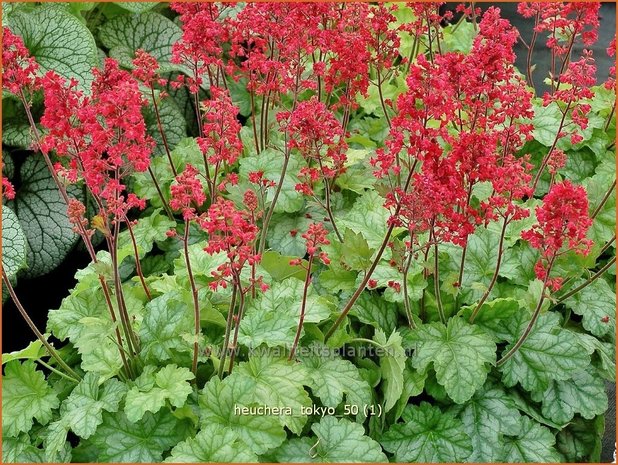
187 192
563 223
233 232
102 136
19 69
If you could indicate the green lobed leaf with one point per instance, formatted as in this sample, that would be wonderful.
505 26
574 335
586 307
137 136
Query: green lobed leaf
534 444
493 313
427 435
371 309
460 354
34 351
367 217
13 244
413 385
153 390
221 403
487 416
392 364
213 443
16 134
137 7
481 258
273 318
596 303
330 378
285 234
26 396
58 41
337 440
20 450
279 268
83 410
549 353
584 393
581 440
148 230
42 216
355 251
277 382
604 357
121 441
167 319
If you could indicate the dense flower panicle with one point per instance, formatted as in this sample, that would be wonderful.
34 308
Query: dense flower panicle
203 34
187 192
103 135
231 231
426 16
146 69
563 222
19 69
479 108
76 213
221 142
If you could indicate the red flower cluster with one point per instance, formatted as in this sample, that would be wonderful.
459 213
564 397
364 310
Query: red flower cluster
103 135
201 44
187 192
478 107
314 131
563 222
8 191
564 22
221 142
146 69
314 238
233 232
19 69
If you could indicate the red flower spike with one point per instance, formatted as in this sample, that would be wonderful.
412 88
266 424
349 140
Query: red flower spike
563 223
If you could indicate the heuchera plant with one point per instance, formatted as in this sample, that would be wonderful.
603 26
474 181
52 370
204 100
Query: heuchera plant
317 232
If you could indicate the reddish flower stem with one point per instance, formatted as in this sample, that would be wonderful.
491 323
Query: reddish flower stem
373 266
196 305
303 305
82 232
228 328
239 315
535 316
36 331
162 132
138 266
494 278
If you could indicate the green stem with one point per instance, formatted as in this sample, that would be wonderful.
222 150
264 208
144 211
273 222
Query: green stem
58 372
